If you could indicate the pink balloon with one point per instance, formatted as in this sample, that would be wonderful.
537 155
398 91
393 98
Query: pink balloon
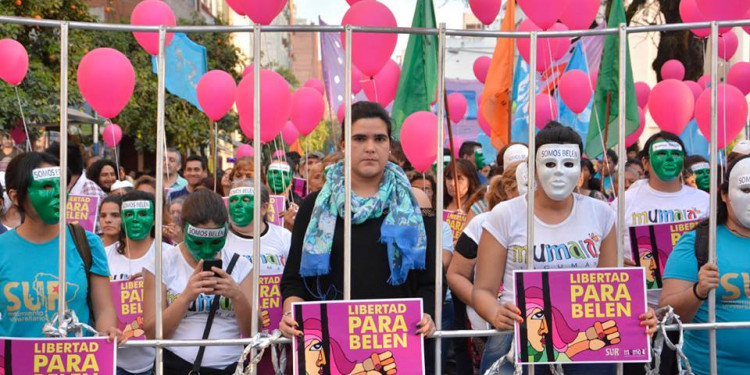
575 90
704 80
732 114
261 11
483 124
671 104
485 10
289 133
357 79
633 138
352 2
747 28
739 76
316 84
728 44
112 135
546 110
216 91
245 151
457 142
341 113
15 61
673 69
236 6
308 108
563 44
419 139
723 10
690 13
543 13
275 103
457 106
383 87
642 92
482 67
370 51
580 14
152 13
106 80
547 48
695 87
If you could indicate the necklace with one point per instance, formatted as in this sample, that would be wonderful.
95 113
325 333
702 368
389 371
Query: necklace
731 226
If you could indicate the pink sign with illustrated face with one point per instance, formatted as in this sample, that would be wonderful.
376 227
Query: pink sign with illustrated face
651 245
128 299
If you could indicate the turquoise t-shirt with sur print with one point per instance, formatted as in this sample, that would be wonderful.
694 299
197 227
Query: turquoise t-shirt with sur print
732 301
29 282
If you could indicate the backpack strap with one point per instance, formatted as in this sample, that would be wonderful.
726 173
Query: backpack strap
80 240
701 243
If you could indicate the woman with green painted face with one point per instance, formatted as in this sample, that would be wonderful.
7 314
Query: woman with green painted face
29 257
188 291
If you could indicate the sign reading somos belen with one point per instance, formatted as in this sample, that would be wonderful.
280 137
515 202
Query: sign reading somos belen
353 337
580 316
69 356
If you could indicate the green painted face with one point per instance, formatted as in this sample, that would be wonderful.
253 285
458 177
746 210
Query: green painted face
241 206
205 243
666 159
479 158
137 219
44 194
702 173
279 177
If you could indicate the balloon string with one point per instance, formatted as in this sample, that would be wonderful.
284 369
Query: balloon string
117 157
23 120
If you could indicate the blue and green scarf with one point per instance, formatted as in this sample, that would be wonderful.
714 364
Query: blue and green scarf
402 230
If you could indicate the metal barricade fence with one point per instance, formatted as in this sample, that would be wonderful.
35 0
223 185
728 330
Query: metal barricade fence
623 30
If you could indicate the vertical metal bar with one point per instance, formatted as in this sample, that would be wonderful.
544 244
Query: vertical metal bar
62 225
621 104
714 187
530 220
439 205
347 136
161 137
257 153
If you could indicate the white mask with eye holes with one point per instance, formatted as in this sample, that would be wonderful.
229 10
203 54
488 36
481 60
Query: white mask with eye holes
522 178
558 167
739 191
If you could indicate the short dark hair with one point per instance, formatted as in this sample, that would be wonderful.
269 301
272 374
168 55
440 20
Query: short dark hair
467 148
197 158
612 155
634 147
367 109
202 206
630 162
466 168
694 159
75 158
556 132
18 173
667 136
96 169
116 200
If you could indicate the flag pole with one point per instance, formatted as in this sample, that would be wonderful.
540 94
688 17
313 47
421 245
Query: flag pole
606 133
451 147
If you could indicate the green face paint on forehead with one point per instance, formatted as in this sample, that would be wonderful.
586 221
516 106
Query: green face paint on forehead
204 243
44 194
666 159
241 206
137 219
702 173
279 177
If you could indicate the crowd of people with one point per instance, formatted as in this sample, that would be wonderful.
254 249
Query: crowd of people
210 217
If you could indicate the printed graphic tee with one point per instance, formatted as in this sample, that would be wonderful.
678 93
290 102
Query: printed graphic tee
573 243
176 273
29 282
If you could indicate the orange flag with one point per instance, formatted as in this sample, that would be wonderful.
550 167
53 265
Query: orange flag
497 96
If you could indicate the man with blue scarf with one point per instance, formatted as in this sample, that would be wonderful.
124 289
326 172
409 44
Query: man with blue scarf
393 249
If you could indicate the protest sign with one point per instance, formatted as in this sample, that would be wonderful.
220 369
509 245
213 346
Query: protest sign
347 337
82 210
269 302
128 299
581 316
70 356
457 222
650 246
300 187
276 207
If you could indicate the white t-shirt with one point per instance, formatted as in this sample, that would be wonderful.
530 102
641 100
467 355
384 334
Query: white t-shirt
176 273
573 243
140 359
646 206
474 230
274 248
447 239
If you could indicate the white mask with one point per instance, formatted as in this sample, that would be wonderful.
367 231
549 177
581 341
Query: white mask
514 154
522 178
558 169
739 192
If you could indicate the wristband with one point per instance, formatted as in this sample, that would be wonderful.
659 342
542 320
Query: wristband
695 292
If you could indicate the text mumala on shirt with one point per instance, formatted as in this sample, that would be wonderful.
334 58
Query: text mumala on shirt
377 326
600 295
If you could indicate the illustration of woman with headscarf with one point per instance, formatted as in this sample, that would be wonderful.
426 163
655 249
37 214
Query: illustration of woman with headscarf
567 342
647 261
337 363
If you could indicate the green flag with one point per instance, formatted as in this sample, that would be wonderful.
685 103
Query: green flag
608 85
418 82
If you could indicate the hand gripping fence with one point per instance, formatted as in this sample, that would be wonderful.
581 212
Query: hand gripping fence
261 342
69 324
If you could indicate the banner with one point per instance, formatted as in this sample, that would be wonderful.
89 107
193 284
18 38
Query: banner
82 210
353 337
300 187
581 316
43 356
276 207
457 221
650 246
128 299
269 302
